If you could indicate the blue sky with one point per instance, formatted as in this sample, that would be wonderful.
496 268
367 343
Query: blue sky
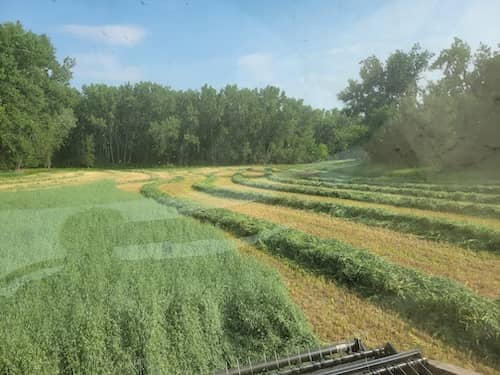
308 48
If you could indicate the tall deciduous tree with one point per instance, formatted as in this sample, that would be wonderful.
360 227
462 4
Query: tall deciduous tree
35 98
382 85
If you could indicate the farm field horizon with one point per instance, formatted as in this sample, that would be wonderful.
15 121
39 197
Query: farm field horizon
250 188
223 264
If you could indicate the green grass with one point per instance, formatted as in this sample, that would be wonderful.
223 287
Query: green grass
436 194
111 282
472 188
474 209
439 305
355 171
468 236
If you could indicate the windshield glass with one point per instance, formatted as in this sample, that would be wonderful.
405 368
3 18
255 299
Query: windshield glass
189 187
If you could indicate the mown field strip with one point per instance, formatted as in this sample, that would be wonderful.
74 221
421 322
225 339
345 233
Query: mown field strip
479 271
473 209
333 311
336 313
436 304
69 178
456 196
465 235
482 189
448 216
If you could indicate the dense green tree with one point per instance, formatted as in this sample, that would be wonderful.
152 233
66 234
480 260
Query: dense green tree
147 123
454 62
455 121
35 98
383 85
165 135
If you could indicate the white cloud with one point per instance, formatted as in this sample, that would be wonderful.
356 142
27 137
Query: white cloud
104 67
124 35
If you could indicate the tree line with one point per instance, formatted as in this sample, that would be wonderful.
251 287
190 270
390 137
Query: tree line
451 122
391 112
150 124
43 120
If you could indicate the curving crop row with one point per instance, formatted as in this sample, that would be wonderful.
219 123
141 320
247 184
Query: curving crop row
482 189
436 194
439 305
464 235
393 200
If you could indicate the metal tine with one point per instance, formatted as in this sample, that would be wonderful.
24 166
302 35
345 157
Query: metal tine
250 364
413 368
238 364
276 358
425 367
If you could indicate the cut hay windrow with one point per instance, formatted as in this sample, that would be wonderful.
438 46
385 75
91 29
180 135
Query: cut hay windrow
474 209
452 188
465 235
435 194
441 306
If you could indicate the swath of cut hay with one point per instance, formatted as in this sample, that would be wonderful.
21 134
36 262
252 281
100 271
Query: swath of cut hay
335 313
439 205
460 218
437 194
479 271
319 301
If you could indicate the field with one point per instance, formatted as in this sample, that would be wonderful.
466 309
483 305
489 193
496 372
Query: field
187 270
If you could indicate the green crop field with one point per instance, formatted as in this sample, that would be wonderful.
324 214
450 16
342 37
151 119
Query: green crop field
96 275
208 188
94 278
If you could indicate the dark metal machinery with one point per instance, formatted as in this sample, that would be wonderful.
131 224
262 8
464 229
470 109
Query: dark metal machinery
347 358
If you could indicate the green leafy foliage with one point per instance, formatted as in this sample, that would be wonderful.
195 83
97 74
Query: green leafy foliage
448 123
150 124
36 101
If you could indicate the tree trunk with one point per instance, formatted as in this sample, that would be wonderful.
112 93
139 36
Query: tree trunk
48 161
